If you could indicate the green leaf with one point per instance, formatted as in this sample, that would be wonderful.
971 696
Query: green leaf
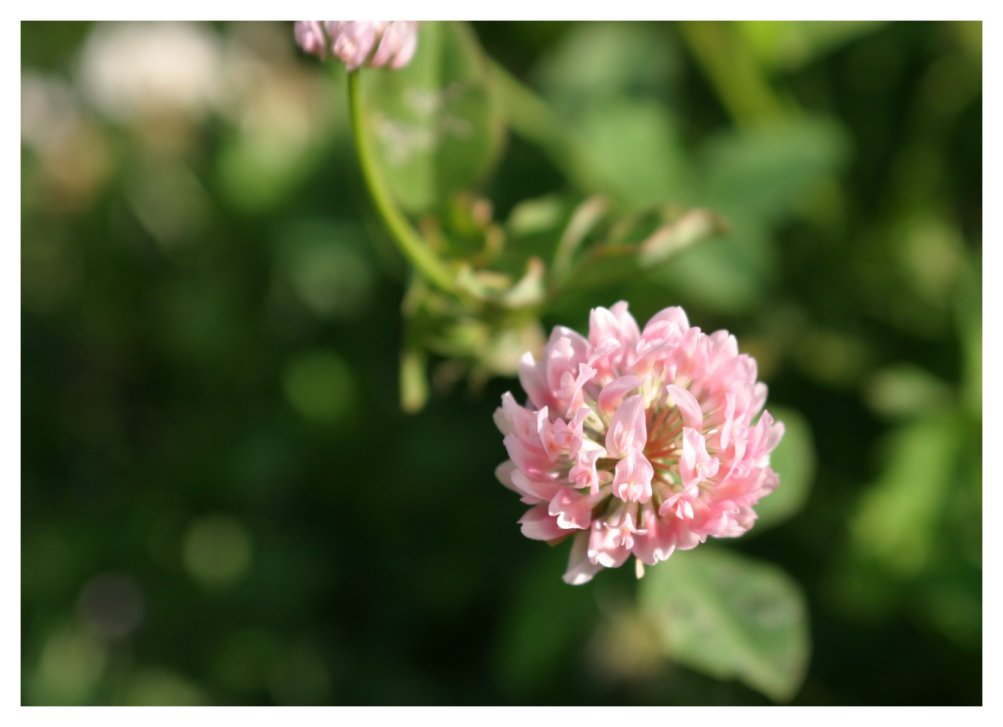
436 123
730 616
729 274
763 173
790 45
905 390
620 248
592 62
631 150
900 514
794 461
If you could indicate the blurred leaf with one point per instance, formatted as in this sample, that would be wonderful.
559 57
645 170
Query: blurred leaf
763 173
437 124
792 44
583 220
794 461
730 616
624 247
630 149
729 274
593 61
897 523
905 390
968 316
413 380
679 234
540 215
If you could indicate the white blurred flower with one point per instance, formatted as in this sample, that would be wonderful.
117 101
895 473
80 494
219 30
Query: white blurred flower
133 70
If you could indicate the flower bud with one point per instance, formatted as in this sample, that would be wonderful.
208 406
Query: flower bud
377 44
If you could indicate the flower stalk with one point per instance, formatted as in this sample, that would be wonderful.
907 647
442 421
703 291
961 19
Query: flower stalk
407 239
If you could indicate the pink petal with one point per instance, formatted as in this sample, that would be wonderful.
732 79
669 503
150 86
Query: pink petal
632 479
537 490
533 382
580 568
538 524
607 545
696 465
572 509
687 404
613 393
628 431
657 542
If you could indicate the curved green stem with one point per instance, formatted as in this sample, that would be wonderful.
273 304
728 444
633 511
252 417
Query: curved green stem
427 263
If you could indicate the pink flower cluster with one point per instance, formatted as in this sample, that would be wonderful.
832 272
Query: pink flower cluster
637 441
374 43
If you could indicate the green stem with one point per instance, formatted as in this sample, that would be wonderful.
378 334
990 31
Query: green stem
733 71
426 262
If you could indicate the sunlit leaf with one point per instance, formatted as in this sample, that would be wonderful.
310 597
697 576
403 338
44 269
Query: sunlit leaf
631 150
905 390
436 122
897 523
731 617
790 44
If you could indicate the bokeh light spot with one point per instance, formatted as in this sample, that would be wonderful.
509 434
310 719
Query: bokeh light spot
217 550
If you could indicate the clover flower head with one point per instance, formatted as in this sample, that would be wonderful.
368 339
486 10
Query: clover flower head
376 44
637 442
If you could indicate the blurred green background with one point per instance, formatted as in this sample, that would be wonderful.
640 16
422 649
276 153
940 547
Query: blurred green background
222 502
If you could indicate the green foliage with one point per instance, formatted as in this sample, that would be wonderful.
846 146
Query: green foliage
730 616
899 518
215 354
436 122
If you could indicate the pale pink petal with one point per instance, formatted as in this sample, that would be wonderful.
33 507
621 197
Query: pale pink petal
538 524
696 465
310 37
531 376
580 568
667 324
584 473
535 489
658 540
628 431
612 394
609 546
687 404
572 509
632 479
504 474
397 37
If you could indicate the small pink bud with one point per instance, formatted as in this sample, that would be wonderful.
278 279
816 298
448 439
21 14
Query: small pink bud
377 44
